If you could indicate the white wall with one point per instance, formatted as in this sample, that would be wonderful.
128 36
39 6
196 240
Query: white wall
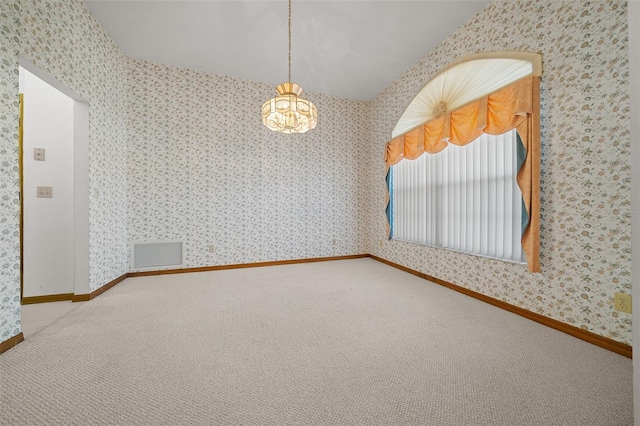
48 222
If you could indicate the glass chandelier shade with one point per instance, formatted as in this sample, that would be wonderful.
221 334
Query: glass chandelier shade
288 112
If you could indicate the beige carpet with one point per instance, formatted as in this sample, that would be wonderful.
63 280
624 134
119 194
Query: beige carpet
335 343
37 316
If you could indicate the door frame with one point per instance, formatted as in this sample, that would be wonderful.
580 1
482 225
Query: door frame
21 179
80 179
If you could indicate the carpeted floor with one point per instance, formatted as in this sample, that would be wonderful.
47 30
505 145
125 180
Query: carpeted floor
350 342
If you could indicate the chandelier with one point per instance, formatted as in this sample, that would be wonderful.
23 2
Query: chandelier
288 112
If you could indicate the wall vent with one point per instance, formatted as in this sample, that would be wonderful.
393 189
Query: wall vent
156 254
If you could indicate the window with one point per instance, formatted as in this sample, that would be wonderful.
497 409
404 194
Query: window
463 198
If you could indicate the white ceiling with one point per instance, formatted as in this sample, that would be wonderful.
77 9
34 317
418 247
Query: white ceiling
353 49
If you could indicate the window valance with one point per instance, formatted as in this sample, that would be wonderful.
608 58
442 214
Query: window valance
516 105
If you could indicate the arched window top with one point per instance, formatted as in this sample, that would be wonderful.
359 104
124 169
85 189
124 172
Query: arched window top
465 81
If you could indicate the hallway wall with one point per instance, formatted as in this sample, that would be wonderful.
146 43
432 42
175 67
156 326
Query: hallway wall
48 222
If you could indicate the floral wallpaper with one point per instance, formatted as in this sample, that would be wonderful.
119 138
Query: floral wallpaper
179 154
62 38
586 177
204 169
9 183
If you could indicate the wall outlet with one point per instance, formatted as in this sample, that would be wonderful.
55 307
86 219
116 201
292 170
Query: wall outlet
45 192
333 242
622 302
211 249
38 154
381 243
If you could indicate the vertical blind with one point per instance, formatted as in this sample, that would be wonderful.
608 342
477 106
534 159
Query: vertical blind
463 198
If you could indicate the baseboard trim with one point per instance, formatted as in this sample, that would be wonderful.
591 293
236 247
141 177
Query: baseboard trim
94 294
603 342
98 292
61 297
11 342
244 265
595 339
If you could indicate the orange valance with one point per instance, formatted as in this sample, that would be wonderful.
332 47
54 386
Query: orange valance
516 106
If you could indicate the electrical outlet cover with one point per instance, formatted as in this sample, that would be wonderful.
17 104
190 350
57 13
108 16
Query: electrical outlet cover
44 192
38 154
622 302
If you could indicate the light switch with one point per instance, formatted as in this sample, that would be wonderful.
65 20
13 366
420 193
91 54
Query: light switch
38 154
45 192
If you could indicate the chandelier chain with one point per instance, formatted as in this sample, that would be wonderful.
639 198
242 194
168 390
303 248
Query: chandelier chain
289 41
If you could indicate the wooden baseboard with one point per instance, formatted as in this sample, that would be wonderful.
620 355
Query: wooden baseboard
244 265
8 344
92 295
98 292
47 298
604 342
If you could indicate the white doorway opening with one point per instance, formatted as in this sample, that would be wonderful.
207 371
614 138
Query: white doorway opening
55 189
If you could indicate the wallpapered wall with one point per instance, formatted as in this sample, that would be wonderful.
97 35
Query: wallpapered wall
62 38
176 158
9 185
204 169
586 177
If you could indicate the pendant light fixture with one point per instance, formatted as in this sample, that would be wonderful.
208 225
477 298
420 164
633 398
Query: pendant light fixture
288 112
